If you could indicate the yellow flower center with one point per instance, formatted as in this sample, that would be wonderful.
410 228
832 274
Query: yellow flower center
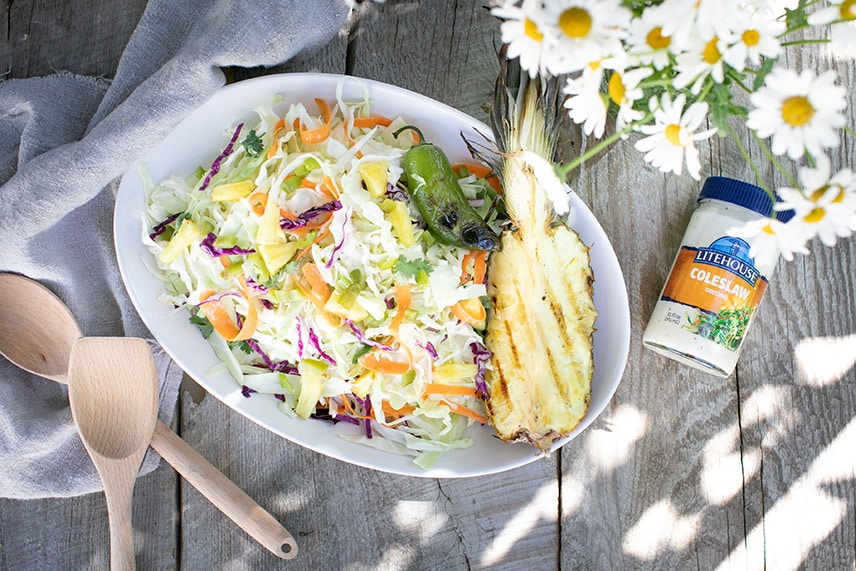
816 215
616 88
768 229
711 53
575 22
818 193
751 37
657 40
531 30
673 134
848 10
797 111
821 192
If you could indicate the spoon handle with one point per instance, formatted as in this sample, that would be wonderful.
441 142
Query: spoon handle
223 493
119 500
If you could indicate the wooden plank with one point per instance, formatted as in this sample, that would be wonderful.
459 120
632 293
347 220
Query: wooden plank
80 36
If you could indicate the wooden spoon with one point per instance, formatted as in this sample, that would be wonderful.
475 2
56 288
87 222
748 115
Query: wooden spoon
37 332
113 393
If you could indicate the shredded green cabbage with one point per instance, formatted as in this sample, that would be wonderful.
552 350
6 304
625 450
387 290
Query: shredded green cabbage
327 246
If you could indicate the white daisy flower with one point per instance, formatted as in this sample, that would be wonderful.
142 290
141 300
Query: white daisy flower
842 40
770 238
646 39
623 89
836 10
755 37
825 204
703 58
587 30
586 105
691 19
671 138
523 31
801 112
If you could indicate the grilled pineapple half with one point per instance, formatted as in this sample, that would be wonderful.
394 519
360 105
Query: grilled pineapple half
540 282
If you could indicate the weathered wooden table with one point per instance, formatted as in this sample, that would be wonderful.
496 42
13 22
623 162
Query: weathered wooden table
683 470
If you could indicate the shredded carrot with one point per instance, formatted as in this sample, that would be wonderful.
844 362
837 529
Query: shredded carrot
465 265
369 122
444 389
318 237
225 261
350 410
403 299
472 312
464 411
319 135
274 146
372 362
481 172
258 201
306 183
318 303
218 316
397 412
479 266
316 281
329 187
221 321
251 321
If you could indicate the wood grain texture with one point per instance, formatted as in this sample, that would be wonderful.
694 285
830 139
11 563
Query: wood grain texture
681 471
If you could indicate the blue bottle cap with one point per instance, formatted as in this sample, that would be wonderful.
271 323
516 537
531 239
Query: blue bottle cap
742 194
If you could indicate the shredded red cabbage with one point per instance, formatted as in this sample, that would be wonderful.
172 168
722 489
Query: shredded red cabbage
209 248
161 228
429 348
481 356
279 367
395 193
365 340
299 325
367 411
247 391
310 214
313 338
215 166
341 243
218 297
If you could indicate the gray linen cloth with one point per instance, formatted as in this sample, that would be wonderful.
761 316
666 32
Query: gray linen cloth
65 141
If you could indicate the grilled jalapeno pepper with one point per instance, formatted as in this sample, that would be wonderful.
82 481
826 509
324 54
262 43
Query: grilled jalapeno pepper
435 191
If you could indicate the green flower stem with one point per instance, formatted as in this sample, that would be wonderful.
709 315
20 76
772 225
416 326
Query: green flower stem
775 161
749 160
564 170
803 42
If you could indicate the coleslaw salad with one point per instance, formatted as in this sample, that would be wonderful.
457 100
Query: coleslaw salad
299 257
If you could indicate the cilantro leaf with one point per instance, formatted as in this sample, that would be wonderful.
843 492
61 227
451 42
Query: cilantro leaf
411 268
253 144
203 324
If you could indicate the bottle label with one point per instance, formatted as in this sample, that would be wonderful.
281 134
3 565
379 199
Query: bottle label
721 286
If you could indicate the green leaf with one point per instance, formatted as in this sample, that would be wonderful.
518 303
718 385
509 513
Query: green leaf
411 268
203 324
766 68
253 144
243 346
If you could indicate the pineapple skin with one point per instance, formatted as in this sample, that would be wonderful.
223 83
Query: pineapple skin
541 323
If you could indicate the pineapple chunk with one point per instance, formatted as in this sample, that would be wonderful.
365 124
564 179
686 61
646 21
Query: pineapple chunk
181 240
352 311
269 231
275 256
374 174
399 217
312 377
232 191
